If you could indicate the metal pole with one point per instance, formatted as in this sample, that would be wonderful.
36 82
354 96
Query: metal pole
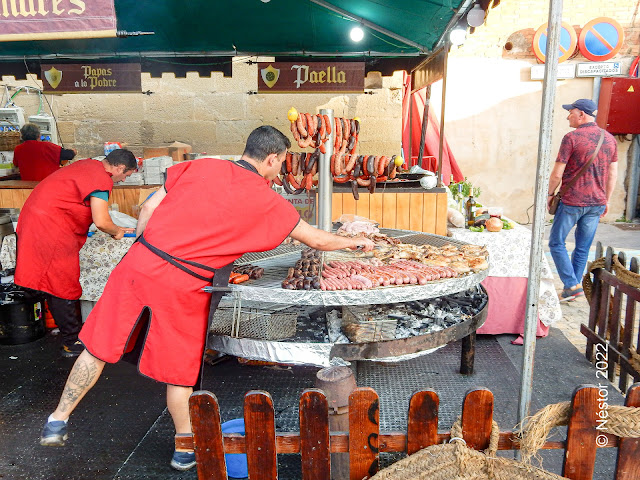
540 205
325 181
447 46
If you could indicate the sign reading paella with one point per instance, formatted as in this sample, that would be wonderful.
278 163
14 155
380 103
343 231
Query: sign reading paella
56 19
91 78
310 77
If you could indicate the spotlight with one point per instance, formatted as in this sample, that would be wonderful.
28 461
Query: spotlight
457 36
475 16
356 34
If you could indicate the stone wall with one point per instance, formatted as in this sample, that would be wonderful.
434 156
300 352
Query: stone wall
214 115
493 107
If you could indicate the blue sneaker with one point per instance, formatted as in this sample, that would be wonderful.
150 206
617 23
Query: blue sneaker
183 460
54 434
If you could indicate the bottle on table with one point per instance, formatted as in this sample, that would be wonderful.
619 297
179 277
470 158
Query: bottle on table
470 209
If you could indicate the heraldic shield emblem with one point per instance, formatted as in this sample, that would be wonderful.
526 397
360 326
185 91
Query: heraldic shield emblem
53 76
270 75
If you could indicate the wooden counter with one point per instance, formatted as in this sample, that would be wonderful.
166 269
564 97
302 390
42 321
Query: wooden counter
404 209
416 209
13 194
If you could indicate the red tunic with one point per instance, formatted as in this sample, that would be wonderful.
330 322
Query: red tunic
213 213
37 160
53 228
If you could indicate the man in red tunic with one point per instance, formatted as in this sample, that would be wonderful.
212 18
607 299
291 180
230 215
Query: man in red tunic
208 214
53 227
36 159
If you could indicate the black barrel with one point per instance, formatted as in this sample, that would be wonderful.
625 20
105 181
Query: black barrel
21 318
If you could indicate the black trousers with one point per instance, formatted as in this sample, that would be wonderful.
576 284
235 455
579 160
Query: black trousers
67 317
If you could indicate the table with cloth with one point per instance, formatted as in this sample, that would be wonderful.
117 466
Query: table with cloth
506 284
98 257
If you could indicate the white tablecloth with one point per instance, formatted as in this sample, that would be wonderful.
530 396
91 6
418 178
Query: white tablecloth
509 252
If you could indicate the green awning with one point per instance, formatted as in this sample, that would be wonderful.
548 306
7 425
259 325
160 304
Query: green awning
298 28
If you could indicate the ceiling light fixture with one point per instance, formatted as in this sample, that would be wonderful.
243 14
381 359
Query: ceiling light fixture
457 36
475 16
356 34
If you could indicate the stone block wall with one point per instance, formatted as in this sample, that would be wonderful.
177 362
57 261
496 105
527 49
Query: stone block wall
214 115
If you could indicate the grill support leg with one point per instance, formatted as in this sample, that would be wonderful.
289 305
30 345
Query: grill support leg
468 354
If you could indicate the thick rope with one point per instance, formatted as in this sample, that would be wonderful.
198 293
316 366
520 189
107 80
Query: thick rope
624 275
621 421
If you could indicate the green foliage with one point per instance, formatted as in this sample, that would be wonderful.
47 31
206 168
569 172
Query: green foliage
463 189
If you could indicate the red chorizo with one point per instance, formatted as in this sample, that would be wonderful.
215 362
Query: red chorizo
338 139
292 181
277 181
288 162
311 126
322 130
382 164
351 163
327 124
294 131
363 182
301 123
295 163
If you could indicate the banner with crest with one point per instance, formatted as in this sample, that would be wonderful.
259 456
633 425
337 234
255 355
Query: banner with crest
52 20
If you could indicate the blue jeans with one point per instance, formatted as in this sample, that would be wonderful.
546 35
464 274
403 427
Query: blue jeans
586 219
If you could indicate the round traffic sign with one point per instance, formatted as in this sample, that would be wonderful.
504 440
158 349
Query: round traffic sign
601 39
566 47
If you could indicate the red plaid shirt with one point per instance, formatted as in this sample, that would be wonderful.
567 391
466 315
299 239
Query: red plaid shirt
576 150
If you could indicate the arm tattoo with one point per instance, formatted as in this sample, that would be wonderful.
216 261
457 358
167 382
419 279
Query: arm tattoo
81 378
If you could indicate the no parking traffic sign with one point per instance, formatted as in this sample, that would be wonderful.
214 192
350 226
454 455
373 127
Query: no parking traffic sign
601 39
567 45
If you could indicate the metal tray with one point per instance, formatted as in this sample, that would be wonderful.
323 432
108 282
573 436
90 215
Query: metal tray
276 263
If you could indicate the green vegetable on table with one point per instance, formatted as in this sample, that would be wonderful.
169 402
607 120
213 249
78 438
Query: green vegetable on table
476 229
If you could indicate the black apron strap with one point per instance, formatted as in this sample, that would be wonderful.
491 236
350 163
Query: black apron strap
174 261
220 287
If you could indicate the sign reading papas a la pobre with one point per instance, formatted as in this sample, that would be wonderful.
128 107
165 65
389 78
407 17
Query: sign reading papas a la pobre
56 19
91 78
315 77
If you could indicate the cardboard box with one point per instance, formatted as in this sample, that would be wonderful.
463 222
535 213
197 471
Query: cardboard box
178 150
150 152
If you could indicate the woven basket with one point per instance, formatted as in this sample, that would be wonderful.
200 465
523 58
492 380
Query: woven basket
9 140
456 461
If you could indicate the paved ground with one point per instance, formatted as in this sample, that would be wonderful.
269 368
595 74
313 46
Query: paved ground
621 237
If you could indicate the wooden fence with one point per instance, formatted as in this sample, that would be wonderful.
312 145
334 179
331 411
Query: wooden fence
364 441
612 334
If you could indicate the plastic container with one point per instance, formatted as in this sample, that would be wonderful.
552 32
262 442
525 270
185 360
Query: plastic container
236 462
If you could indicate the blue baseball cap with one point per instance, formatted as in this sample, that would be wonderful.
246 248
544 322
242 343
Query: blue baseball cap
587 106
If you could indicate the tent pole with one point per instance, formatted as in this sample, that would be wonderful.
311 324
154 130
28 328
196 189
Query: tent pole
447 46
425 121
325 181
409 152
540 205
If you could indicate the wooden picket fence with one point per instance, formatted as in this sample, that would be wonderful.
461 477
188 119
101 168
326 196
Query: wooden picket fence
364 441
613 333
